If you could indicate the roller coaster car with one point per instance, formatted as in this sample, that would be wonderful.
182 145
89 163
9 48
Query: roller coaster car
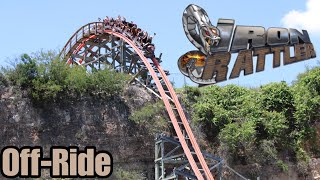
148 54
148 50
107 27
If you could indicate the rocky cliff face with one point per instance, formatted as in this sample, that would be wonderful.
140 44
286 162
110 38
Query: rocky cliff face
87 122
102 123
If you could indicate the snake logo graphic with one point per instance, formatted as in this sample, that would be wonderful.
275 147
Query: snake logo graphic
198 28
203 35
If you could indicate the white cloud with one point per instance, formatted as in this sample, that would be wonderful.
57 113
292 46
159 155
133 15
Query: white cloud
308 19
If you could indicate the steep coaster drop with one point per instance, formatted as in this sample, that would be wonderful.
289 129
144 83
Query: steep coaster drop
101 45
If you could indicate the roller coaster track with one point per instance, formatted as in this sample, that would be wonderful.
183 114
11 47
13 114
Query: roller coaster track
81 49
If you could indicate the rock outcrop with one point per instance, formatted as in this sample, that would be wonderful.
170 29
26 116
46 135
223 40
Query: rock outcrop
89 121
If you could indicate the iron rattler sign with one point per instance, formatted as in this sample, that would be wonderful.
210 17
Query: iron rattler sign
210 63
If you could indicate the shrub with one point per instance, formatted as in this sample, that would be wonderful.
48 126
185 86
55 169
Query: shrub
151 116
307 99
46 77
191 94
107 82
221 106
271 119
238 135
23 73
278 97
3 80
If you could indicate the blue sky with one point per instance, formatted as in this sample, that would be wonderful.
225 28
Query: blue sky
29 26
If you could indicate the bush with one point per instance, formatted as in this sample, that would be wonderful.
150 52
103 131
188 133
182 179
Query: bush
107 82
238 136
264 122
23 73
46 77
152 116
307 99
3 80
307 103
191 94
222 106
278 97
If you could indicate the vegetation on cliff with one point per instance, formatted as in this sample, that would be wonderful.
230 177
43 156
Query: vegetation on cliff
46 77
152 116
263 125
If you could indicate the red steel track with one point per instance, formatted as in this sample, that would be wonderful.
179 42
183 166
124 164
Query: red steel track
169 107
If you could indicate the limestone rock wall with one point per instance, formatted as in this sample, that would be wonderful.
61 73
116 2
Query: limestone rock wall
87 122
